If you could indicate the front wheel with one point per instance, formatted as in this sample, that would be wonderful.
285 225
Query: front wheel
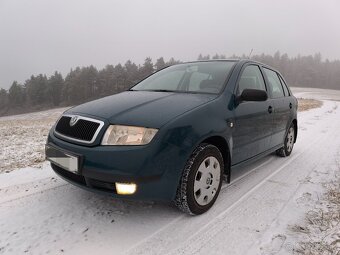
288 145
201 180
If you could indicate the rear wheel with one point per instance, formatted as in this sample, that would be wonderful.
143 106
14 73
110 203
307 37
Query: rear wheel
201 180
287 148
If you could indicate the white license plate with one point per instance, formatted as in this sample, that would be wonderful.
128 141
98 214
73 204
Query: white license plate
62 159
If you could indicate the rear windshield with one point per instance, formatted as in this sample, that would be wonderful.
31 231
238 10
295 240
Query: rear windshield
200 77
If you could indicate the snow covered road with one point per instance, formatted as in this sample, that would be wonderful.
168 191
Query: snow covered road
40 213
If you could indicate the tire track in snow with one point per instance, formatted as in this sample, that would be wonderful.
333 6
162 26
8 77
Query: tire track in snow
225 186
21 191
148 245
201 233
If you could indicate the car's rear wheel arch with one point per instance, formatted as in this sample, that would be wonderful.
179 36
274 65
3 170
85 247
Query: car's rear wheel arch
295 129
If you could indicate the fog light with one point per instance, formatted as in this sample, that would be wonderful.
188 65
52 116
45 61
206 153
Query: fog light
126 188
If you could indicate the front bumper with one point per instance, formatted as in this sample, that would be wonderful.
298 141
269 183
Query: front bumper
151 167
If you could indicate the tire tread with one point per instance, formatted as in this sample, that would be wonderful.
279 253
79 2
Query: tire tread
181 200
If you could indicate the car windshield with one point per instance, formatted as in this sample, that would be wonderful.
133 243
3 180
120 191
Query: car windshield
199 77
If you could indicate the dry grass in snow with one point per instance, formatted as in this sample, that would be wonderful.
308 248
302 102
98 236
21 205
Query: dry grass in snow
307 104
321 229
22 138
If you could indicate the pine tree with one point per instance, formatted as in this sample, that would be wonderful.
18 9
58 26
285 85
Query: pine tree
16 95
147 68
160 63
54 88
132 73
36 89
3 100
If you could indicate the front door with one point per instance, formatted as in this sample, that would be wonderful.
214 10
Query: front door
253 120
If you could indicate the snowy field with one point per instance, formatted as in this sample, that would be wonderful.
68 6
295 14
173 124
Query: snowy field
255 214
22 138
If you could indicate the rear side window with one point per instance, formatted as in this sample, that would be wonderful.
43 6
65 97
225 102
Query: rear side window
251 78
285 89
275 87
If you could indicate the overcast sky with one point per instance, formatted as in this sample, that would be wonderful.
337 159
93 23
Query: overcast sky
41 36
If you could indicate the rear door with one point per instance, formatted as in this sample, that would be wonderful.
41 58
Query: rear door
281 106
253 122
289 101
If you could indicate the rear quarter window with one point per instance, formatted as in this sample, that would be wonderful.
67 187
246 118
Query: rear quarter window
285 88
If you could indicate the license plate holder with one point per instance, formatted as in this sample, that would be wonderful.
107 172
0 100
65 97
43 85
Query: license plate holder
63 159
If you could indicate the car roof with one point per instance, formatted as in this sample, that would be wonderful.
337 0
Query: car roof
240 61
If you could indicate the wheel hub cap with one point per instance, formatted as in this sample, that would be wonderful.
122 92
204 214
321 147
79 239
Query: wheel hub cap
290 139
207 180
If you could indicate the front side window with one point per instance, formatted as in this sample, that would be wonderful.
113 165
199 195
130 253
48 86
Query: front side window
251 78
275 86
200 77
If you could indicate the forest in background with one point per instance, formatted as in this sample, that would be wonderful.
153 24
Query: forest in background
83 84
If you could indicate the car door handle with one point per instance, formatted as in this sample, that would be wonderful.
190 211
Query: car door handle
270 109
290 105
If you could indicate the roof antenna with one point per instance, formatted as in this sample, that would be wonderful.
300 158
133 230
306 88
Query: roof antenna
250 53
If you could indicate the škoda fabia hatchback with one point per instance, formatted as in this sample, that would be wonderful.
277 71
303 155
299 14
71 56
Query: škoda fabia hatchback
176 134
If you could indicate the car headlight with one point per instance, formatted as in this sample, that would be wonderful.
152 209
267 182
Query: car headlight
128 135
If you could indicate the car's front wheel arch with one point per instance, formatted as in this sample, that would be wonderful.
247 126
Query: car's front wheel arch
223 147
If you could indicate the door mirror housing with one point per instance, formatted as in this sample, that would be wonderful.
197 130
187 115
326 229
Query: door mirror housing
252 95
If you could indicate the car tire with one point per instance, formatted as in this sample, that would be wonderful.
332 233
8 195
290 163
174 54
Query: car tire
289 141
201 180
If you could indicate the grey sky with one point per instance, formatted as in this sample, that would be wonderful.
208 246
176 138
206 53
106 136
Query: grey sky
41 36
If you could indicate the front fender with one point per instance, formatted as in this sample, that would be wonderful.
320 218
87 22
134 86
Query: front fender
189 130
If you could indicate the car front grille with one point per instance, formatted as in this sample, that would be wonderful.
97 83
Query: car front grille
84 129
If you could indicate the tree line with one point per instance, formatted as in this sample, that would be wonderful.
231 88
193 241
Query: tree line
80 85
83 84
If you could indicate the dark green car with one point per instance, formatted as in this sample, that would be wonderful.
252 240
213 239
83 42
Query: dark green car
175 134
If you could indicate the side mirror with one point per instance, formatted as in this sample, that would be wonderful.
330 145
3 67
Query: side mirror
252 95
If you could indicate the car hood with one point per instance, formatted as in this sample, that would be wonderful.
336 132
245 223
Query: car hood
142 108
